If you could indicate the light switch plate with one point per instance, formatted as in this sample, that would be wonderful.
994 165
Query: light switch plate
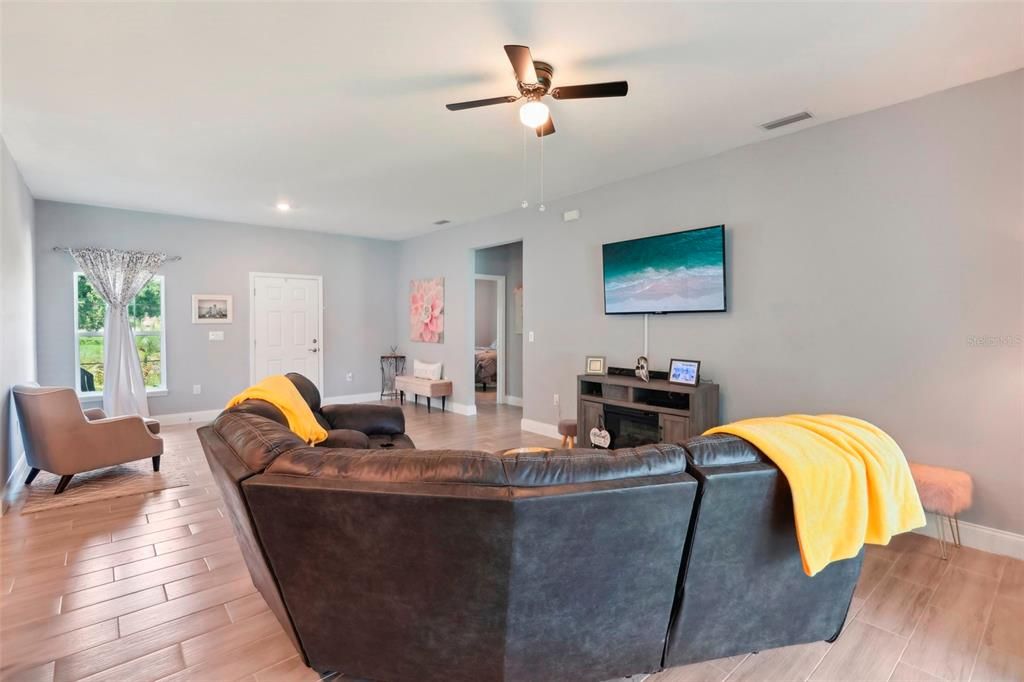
531 337
216 336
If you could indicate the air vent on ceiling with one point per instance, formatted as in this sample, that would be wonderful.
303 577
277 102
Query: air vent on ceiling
442 221
786 120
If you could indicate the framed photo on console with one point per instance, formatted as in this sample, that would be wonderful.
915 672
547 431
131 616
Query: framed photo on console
595 364
685 372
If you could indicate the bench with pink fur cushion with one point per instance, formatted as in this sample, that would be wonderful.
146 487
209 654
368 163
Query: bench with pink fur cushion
942 491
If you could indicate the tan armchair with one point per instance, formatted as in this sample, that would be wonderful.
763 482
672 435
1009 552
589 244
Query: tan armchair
63 439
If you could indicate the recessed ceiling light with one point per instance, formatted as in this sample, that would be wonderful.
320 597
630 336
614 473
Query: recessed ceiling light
283 206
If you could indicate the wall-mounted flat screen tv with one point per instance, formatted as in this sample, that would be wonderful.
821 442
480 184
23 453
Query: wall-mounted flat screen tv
680 272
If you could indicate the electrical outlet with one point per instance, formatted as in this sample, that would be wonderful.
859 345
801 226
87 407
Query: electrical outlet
348 377
197 389
556 400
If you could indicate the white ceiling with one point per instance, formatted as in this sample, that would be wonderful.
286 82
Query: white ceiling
219 110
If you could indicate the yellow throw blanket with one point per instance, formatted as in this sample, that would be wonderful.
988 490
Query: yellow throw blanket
851 483
282 394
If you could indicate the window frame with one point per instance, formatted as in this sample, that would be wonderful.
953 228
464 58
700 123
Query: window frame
152 391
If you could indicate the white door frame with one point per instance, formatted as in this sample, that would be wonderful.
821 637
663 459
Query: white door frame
500 345
252 320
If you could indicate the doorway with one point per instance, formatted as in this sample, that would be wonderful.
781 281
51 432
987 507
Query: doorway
498 326
286 326
489 339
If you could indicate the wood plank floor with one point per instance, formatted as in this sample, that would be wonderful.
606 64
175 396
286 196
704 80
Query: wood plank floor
153 587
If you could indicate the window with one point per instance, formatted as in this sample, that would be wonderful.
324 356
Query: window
146 314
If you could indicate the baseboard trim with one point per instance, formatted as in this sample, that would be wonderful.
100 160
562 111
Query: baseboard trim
515 401
981 537
351 399
462 408
14 483
198 417
544 429
449 406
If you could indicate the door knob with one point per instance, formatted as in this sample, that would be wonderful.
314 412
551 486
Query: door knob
313 350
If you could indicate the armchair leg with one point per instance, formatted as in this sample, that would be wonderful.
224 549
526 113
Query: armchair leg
31 476
428 404
64 480
156 463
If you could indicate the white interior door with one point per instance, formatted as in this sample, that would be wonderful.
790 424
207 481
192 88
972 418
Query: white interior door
287 324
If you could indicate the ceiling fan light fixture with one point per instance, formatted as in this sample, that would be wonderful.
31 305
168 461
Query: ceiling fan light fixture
533 114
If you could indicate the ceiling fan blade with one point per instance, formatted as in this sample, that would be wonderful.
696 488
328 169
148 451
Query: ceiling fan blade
457 106
614 89
522 63
547 128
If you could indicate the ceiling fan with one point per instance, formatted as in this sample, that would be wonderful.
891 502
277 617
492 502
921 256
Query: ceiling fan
533 80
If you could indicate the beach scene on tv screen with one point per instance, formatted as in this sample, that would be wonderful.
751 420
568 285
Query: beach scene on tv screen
680 272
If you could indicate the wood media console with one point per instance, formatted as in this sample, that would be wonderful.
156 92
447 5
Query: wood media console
636 412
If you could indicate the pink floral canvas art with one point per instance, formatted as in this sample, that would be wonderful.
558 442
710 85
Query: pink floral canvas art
426 310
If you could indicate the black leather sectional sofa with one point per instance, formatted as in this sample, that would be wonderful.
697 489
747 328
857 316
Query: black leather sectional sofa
405 564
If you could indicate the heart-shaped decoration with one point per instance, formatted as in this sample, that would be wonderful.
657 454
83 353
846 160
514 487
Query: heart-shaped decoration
600 438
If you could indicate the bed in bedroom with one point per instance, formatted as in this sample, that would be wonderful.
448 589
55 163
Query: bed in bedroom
486 367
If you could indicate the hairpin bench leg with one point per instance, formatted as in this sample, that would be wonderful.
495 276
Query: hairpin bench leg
64 480
941 537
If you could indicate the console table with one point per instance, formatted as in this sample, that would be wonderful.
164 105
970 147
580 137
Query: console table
654 411
391 365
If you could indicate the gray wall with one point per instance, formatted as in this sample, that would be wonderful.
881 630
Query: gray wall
507 260
217 257
17 304
486 313
864 256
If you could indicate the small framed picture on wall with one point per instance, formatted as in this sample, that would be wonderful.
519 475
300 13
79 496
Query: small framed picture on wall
685 372
595 364
212 309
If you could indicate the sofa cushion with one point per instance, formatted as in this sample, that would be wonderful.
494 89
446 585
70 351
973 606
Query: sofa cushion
721 449
345 438
307 389
559 467
253 439
398 441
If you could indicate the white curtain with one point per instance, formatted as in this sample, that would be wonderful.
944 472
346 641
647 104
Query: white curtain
118 276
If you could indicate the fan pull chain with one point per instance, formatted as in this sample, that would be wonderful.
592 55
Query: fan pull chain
525 203
542 208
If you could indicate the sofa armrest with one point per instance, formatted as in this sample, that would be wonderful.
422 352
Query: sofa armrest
373 420
94 413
